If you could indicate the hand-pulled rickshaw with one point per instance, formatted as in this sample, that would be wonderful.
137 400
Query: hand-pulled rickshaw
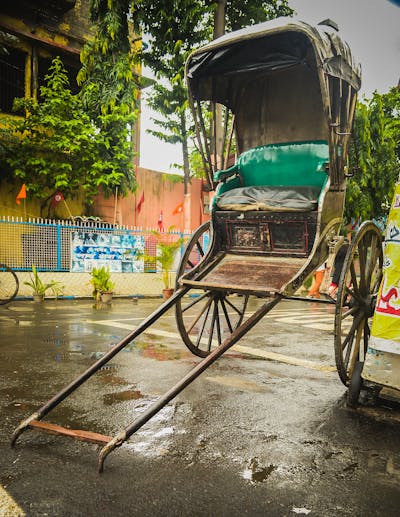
282 96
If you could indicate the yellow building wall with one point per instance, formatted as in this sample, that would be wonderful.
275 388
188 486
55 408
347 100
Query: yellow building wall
30 207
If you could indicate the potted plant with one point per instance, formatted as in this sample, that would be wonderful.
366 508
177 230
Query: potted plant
40 288
102 284
166 253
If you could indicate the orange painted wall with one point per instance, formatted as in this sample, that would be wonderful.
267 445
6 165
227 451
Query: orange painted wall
160 194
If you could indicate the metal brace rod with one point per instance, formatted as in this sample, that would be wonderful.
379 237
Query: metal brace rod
119 439
65 392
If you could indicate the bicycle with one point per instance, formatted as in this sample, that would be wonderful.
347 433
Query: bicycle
9 284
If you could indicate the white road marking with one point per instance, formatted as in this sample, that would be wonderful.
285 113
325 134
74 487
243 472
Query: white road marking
281 358
272 356
8 507
320 326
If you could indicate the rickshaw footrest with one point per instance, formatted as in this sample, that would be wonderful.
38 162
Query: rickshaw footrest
78 434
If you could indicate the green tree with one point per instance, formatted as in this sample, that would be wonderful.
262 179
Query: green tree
175 28
54 146
240 13
109 84
374 156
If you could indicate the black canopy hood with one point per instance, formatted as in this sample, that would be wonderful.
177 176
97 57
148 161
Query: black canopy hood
216 70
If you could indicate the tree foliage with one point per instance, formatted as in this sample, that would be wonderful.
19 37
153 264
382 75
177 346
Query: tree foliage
174 27
107 76
374 156
54 146
241 13
109 83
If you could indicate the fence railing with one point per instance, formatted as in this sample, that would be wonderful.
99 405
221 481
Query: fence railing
78 246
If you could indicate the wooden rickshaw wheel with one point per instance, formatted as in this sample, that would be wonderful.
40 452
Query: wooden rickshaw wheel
206 318
356 299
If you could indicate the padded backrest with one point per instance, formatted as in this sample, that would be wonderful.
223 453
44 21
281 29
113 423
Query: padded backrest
289 164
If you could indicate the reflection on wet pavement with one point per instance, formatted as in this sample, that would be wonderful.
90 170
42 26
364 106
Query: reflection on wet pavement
252 427
122 396
160 352
257 473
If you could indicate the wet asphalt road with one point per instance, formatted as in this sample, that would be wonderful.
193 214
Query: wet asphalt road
252 436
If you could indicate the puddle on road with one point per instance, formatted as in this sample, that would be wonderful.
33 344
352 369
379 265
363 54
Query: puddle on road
21 309
161 352
122 396
24 323
9 321
54 340
110 379
257 473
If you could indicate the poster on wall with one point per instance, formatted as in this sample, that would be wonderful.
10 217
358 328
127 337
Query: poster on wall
119 253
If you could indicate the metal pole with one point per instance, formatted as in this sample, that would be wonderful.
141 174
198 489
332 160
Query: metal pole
115 204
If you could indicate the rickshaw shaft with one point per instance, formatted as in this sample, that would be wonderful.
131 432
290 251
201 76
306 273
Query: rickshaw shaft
185 381
65 392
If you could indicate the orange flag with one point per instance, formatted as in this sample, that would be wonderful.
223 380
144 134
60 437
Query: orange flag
178 209
21 194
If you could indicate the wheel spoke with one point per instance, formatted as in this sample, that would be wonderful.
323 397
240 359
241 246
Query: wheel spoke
228 321
352 353
356 321
367 333
218 322
350 312
349 338
196 301
246 301
377 279
206 306
354 280
242 310
214 317
200 334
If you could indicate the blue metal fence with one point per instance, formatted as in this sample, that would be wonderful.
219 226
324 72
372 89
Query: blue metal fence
49 245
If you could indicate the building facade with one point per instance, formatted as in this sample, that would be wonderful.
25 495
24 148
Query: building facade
32 33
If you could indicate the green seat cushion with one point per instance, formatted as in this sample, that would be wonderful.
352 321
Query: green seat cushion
296 163
292 165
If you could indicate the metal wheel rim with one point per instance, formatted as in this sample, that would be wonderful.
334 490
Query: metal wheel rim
195 243
356 299
207 320
9 284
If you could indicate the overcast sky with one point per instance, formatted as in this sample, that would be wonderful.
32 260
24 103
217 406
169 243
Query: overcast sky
372 29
